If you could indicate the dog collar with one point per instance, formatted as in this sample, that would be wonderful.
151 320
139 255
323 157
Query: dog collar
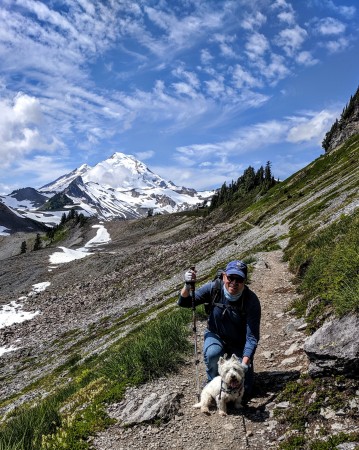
229 390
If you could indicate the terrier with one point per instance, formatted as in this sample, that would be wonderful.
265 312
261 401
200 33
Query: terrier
228 386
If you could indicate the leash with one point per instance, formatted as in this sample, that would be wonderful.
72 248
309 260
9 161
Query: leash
243 420
245 431
196 360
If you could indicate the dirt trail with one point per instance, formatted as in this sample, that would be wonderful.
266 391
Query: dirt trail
279 358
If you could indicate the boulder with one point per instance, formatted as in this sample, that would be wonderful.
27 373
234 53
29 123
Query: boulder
334 348
155 406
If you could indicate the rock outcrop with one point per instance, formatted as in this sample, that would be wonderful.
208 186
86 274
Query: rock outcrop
334 348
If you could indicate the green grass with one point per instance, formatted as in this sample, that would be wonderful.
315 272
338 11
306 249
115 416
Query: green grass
76 410
307 397
327 264
331 443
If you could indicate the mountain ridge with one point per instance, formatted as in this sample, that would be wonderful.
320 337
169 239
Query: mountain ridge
118 187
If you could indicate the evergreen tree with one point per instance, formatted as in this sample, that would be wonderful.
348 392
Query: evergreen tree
63 219
81 220
37 244
259 176
249 179
71 214
23 247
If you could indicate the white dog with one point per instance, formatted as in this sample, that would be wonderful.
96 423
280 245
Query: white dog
228 386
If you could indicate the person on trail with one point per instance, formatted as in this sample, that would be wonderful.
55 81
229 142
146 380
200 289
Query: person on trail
233 322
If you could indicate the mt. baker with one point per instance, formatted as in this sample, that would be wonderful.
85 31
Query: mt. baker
119 187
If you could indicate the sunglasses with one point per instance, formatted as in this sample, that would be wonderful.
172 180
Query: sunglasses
232 279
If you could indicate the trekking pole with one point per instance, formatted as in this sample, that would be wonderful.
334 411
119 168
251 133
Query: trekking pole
196 360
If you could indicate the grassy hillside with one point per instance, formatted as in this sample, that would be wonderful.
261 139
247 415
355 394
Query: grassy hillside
312 215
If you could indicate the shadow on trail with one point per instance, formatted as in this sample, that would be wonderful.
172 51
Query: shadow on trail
266 383
267 386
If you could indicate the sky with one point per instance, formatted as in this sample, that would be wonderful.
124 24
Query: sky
14 312
198 90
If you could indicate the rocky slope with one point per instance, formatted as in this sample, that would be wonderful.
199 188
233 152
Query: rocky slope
143 266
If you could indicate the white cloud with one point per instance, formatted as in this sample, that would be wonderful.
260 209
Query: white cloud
39 170
306 58
184 89
181 32
311 127
338 45
287 17
346 11
256 45
190 77
206 57
20 129
308 126
282 4
143 156
215 87
291 39
253 21
225 42
329 26
242 78
275 70
244 140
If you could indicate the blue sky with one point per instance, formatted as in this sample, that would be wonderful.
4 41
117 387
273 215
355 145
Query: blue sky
198 90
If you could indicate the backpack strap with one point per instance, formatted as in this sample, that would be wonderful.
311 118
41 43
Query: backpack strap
239 307
215 295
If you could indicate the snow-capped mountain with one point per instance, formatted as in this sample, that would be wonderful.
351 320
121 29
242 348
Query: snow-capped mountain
119 187
63 181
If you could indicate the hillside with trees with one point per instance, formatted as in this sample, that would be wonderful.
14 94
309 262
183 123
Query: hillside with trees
344 127
244 190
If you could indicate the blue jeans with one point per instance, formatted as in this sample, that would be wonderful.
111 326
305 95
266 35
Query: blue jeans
213 349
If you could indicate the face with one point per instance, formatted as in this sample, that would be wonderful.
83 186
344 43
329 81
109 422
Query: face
233 283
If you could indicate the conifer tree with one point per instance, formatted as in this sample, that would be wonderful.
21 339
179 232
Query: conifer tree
23 247
37 244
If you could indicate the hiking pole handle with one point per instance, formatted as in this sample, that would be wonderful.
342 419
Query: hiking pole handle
192 287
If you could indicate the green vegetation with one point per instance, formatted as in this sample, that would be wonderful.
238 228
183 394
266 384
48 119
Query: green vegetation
37 244
243 190
59 232
58 201
302 443
327 265
308 399
68 416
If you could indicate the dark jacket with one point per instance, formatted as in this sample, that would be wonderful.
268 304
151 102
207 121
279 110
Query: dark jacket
237 326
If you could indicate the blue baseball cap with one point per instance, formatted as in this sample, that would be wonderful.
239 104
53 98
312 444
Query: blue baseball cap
237 268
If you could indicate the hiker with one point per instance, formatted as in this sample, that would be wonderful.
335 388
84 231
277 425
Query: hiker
233 321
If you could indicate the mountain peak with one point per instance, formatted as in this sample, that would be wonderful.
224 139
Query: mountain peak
120 186
122 172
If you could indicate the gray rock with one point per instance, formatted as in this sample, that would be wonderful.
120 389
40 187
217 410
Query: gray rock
347 446
334 348
155 406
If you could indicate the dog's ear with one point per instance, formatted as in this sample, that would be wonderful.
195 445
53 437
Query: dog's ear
221 360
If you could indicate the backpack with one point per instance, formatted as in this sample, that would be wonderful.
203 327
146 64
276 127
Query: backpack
216 294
